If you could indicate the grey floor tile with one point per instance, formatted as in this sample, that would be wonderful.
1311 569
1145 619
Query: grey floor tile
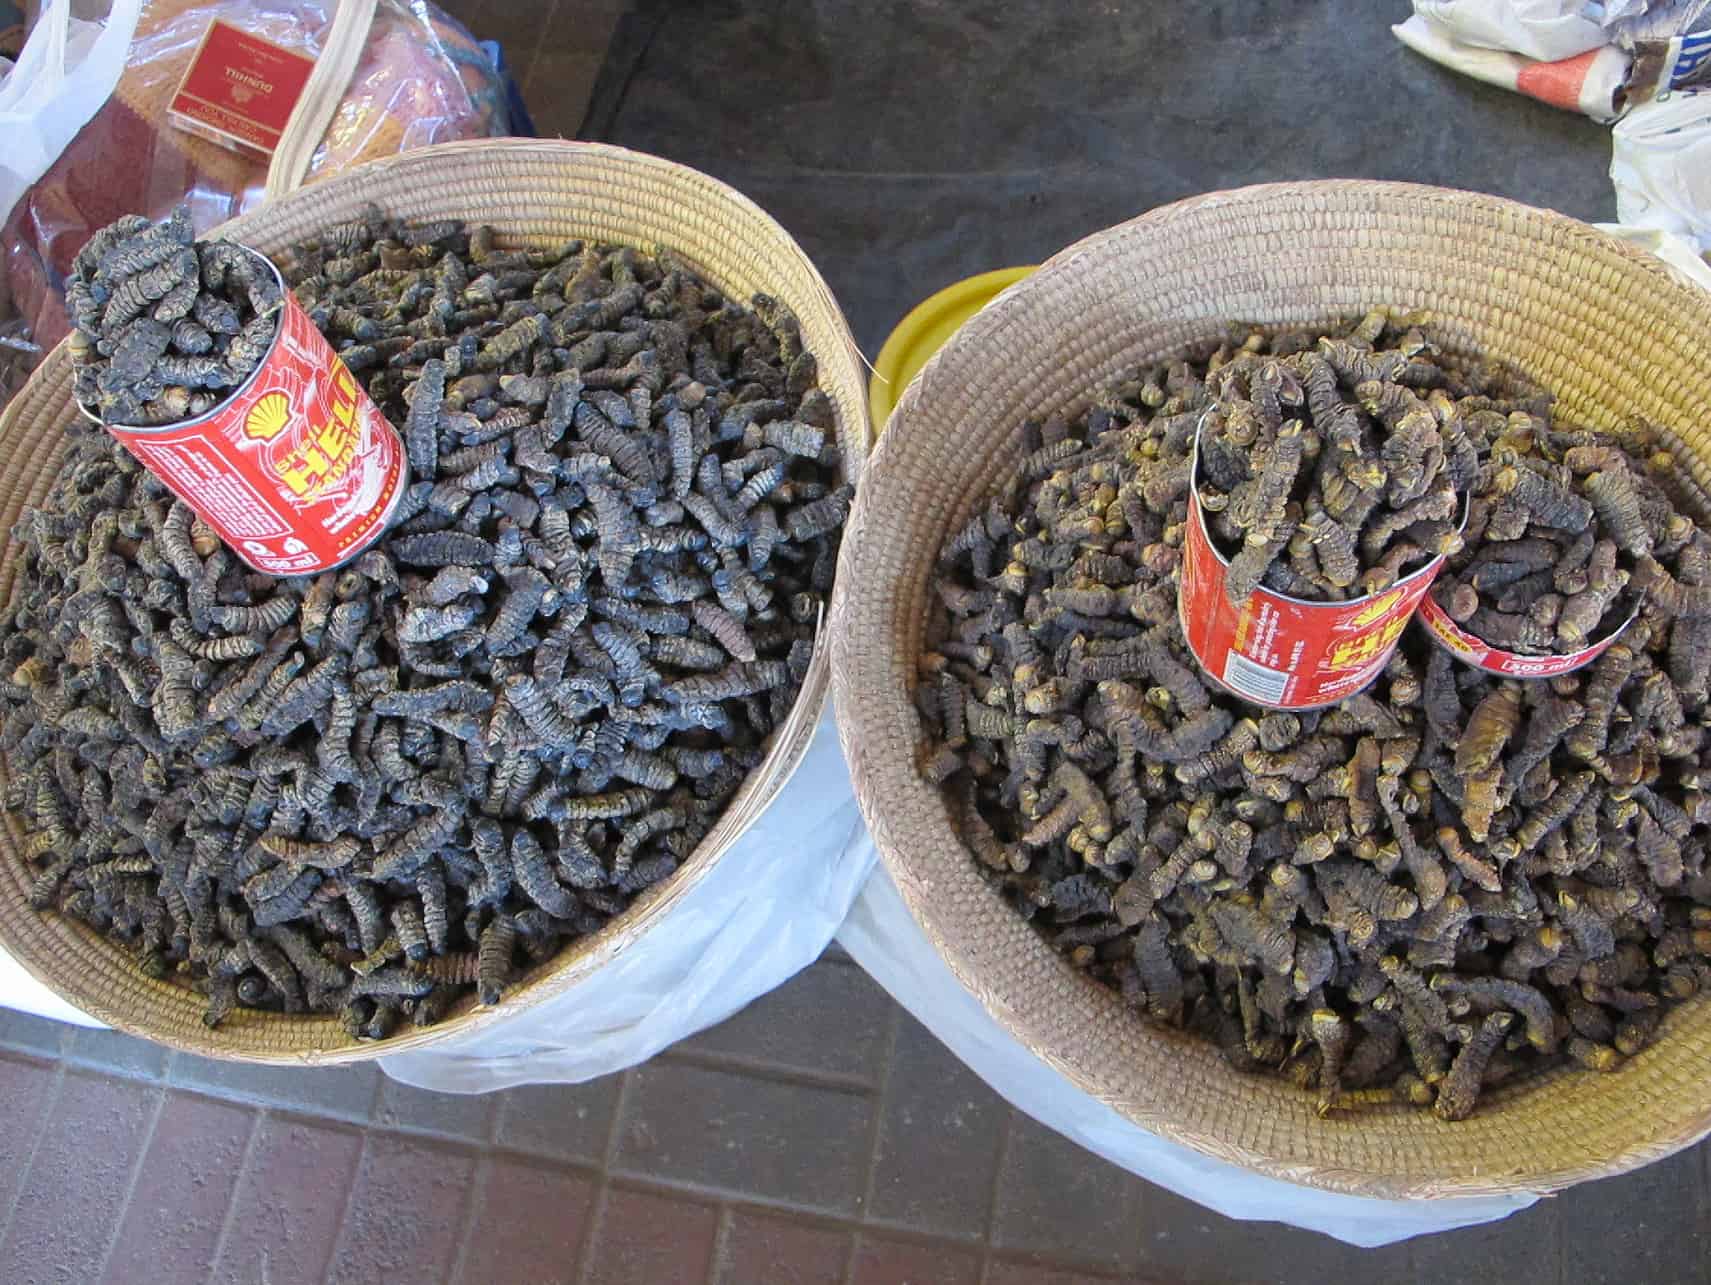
1522 1248
829 1017
117 1052
880 1260
28 1087
560 1121
1650 1226
781 1249
644 1236
744 1135
462 1117
1055 1198
78 1182
288 1203
405 1212
528 1223
1183 1241
343 1092
939 1138
27 1033
171 1226
1028 1271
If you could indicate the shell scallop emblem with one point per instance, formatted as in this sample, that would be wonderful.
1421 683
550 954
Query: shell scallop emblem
268 417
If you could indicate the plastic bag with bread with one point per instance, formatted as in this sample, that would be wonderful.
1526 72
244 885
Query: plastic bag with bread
421 79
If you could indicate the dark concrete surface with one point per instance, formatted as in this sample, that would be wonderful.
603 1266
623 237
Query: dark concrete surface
822 1135
909 144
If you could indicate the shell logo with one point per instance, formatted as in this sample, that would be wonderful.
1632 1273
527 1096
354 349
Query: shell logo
1376 609
268 418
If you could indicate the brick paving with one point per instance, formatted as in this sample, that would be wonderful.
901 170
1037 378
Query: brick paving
819 1136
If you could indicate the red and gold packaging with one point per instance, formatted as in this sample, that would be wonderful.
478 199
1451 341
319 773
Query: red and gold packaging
298 471
1470 650
1283 652
239 89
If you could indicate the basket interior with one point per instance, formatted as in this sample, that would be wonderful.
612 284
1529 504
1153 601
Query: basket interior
534 193
1598 323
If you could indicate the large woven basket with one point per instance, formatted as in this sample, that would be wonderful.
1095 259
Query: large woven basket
539 193
1600 323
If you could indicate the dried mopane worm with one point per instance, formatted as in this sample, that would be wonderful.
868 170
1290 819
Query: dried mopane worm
1570 529
1323 470
165 326
380 789
1444 881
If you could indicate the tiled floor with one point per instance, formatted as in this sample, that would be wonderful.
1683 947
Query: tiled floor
820 1136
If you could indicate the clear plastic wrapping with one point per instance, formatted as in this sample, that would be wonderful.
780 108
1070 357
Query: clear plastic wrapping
422 78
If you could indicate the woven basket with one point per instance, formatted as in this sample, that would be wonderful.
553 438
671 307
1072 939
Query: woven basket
1601 324
539 193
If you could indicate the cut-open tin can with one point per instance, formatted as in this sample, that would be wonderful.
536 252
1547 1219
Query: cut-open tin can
297 470
1475 651
1279 651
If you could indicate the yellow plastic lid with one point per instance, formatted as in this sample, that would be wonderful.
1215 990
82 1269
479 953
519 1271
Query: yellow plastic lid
924 331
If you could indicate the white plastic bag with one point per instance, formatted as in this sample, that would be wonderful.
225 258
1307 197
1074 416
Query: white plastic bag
21 991
764 912
1677 255
884 938
66 72
1661 165
1590 83
1619 11
1546 30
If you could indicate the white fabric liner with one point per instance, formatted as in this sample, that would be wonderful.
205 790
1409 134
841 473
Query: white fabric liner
884 939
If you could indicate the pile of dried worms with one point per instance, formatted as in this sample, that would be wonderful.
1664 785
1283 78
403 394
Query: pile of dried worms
373 791
1439 884
166 327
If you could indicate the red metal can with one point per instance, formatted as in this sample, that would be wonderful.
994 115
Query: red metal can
1279 651
1474 651
298 471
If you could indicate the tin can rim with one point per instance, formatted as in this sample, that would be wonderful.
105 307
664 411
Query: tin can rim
231 394
1198 511
1592 648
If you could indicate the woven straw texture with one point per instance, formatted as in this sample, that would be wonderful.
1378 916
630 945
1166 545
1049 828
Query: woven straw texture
1597 322
537 193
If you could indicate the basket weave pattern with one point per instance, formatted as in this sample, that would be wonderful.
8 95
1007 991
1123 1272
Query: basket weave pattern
1599 323
534 193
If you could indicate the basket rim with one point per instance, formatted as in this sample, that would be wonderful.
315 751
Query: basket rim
854 698
576 961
